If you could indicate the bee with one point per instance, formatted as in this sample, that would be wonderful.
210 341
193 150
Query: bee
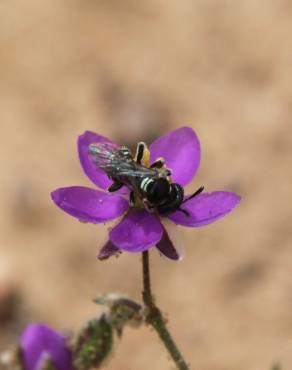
150 185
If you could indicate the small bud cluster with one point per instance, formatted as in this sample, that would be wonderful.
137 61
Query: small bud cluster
93 344
42 348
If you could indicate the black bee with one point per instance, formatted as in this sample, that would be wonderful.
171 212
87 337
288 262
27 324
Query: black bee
150 185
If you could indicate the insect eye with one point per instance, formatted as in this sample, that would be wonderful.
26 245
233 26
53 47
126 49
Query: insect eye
158 191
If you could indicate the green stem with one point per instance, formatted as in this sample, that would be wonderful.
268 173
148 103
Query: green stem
156 319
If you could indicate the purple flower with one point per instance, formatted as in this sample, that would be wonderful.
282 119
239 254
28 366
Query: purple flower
140 229
40 344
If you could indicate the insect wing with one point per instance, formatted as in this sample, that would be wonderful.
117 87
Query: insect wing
117 162
106 156
135 171
102 154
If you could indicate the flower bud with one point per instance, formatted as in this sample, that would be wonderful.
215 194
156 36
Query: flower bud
94 344
122 311
41 348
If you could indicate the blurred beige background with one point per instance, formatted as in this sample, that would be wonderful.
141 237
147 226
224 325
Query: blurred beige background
133 70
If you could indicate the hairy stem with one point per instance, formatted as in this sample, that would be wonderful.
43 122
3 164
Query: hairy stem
156 319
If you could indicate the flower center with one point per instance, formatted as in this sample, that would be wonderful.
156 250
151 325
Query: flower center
154 190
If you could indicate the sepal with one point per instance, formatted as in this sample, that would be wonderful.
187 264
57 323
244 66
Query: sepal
122 311
94 344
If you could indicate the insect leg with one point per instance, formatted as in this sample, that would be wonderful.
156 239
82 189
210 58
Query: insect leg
142 156
132 199
115 186
147 206
140 152
159 163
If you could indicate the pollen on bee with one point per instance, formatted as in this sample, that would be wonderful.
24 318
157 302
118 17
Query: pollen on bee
146 157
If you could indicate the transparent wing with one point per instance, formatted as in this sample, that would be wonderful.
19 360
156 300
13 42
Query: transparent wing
135 170
103 154
117 161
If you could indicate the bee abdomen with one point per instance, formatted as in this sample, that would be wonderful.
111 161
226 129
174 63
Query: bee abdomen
174 200
145 183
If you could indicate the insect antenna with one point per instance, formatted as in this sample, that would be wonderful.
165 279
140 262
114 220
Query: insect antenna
184 211
197 192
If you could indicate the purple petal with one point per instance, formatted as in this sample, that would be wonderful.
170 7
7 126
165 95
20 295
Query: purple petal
137 232
206 208
95 174
90 205
108 250
181 151
39 342
167 248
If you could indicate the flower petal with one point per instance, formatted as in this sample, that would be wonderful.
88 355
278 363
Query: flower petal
90 205
39 343
181 151
137 232
171 244
166 247
206 208
95 174
108 250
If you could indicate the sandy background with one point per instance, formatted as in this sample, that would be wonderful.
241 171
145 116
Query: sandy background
133 70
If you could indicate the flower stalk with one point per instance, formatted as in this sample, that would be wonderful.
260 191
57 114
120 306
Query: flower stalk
155 318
